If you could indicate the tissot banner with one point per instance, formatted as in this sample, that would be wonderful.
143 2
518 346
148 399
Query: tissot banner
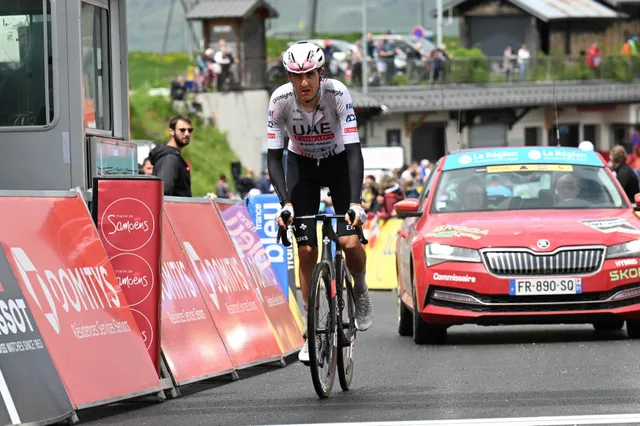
30 387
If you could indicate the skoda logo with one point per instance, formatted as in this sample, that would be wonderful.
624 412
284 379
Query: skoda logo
543 244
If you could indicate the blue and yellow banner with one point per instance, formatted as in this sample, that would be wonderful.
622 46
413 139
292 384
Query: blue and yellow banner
381 254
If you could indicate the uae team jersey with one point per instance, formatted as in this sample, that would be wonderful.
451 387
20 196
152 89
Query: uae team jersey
318 134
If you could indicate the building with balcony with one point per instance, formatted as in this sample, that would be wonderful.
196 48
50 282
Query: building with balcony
550 26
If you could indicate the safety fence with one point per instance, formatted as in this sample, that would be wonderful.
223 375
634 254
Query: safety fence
127 293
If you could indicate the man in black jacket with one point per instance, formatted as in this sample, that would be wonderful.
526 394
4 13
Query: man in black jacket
625 175
167 162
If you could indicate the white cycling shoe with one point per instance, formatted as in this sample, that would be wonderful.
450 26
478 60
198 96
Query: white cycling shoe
303 355
364 311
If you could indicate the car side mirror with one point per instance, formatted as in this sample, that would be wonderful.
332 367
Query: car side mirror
408 208
636 198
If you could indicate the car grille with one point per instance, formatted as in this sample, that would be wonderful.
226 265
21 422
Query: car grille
565 262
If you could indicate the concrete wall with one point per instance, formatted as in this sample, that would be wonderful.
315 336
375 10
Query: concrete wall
376 130
623 114
242 115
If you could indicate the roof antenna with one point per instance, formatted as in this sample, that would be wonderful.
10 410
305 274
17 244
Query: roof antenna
458 124
555 111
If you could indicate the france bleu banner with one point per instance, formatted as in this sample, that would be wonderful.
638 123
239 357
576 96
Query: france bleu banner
263 209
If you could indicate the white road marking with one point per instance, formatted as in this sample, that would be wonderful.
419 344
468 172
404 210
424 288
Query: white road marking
519 421
8 401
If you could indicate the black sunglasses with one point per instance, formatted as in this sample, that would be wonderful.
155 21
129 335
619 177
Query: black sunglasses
190 129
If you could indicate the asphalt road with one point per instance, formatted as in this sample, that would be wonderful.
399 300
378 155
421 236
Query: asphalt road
481 372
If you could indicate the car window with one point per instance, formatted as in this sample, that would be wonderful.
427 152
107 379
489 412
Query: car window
525 187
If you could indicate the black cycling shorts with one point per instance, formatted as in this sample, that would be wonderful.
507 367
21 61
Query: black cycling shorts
305 177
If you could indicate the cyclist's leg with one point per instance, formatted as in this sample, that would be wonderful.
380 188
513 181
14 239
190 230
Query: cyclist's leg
305 198
355 256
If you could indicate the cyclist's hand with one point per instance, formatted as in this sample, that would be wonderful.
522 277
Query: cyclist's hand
287 208
360 218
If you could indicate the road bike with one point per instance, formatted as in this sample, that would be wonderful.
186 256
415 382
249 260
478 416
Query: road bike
330 281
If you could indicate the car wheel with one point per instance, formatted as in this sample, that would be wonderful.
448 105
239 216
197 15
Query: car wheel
610 324
405 320
633 328
423 332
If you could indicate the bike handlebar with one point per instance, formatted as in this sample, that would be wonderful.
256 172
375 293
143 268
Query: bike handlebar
285 215
282 232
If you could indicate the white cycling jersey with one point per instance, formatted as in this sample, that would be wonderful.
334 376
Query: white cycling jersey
318 134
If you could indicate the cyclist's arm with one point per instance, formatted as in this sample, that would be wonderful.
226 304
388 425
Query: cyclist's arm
275 151
351 139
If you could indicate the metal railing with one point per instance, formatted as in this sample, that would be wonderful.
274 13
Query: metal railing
481 70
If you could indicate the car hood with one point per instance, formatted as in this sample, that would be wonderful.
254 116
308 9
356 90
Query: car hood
523 229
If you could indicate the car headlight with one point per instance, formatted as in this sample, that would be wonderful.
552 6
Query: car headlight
629 249
435 254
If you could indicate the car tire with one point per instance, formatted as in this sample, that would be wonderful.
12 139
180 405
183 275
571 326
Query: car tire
405 319
610 324
633 328
423 332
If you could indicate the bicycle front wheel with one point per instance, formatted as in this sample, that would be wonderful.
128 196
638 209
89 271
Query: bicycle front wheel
346 316
321 330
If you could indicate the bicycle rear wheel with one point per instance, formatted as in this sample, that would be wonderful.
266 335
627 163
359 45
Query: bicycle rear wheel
346 317
321 331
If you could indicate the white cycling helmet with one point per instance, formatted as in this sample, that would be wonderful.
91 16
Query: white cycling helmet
302 57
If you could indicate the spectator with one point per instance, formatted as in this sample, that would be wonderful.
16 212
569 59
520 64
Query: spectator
507 62
178 90
224 58
222 188
327 49
167 160
412 172
369 192
246 183
264 182
594 56
410 188
625 175
146 168
523 61
392 194
425 169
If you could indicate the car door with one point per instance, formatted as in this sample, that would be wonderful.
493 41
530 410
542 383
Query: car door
407 233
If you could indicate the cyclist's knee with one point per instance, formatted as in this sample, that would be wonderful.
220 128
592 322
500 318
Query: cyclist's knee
350 242
307 254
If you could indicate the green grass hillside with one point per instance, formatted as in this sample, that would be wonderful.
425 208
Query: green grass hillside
209 153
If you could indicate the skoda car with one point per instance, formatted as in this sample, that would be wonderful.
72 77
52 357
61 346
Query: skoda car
540 235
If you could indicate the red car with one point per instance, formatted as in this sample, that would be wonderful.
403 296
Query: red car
527 235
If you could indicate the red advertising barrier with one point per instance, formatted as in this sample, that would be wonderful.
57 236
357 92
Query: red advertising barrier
231 299
73 293
250 249
191 342
128 215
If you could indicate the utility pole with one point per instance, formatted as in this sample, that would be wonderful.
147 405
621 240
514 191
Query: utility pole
166 28
421 9
363 44
439 22
313 18
194 37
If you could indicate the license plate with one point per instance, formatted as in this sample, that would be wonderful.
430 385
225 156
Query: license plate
542 286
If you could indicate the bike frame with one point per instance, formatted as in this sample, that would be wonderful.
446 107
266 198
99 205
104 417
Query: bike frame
336 265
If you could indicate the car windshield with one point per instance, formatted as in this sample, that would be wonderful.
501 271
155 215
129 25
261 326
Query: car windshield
526 187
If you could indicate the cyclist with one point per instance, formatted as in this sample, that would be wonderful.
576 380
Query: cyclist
323 151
